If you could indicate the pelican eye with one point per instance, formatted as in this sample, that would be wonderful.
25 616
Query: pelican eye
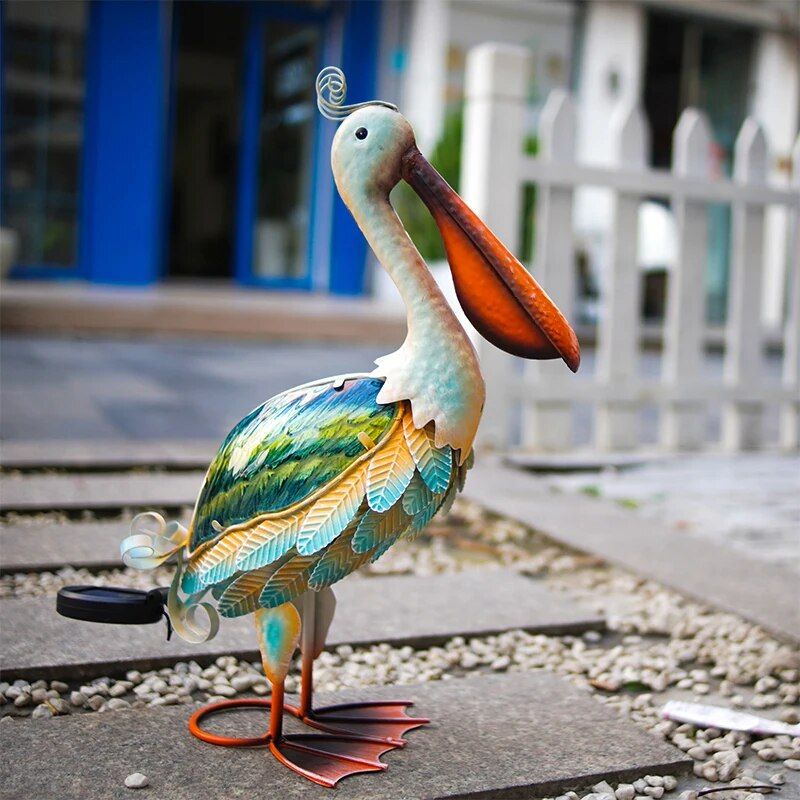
361 133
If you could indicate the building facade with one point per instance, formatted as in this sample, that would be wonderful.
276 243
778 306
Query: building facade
149 140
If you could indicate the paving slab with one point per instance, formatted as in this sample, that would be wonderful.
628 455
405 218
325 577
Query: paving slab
519 735
29 548
763 593
92 492
36 642
107 454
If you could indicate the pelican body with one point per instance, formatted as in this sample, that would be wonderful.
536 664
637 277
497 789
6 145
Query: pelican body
324 478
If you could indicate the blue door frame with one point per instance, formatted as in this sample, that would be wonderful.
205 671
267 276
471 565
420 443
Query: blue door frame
347 251
125 171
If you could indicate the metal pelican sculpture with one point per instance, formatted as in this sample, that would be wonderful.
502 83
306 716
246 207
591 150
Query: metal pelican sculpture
326 477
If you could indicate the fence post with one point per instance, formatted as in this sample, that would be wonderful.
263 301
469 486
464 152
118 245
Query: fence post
618 331
790 409
548 425
494 124
741 419
682 422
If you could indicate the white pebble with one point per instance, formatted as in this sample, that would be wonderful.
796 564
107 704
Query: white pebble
241 683
625 791
137 781
792 763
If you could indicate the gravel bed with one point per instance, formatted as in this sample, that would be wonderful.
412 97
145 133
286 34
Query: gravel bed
659 646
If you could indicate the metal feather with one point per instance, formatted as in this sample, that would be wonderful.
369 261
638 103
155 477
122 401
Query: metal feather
384 546
241 597
337 562
426 505
216 564
289 581
450 497
435 465
374 528
464 468
331 514
268 541
390 471
417 497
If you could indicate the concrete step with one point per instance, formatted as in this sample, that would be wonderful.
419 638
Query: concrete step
93 492
35 642
515 735
106 455
718 576
198 311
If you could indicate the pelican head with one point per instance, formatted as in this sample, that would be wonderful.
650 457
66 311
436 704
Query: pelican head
374 148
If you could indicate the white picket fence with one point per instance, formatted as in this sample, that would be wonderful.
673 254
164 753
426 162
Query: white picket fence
494 170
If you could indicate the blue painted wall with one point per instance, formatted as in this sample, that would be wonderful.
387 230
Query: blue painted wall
360 65
124 166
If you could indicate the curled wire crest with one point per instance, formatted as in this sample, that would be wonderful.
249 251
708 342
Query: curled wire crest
331 80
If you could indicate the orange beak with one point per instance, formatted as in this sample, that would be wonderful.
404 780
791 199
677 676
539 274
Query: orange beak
500 297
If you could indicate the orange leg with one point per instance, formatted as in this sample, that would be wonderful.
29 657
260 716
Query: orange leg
380 721
322 758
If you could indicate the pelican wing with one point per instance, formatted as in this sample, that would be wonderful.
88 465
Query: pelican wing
288 449
331 487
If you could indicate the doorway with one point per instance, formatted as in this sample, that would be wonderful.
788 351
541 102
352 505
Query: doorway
207 100
279 145
693 62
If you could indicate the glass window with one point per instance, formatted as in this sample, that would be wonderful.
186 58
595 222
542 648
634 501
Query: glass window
44 88
285 158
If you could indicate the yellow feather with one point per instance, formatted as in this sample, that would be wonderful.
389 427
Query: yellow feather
420 440
219 559
269 540
389 473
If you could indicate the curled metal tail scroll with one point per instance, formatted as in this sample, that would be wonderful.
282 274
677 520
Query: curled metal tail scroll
151 542
183 612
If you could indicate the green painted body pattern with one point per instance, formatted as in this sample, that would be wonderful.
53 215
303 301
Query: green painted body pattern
287 449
